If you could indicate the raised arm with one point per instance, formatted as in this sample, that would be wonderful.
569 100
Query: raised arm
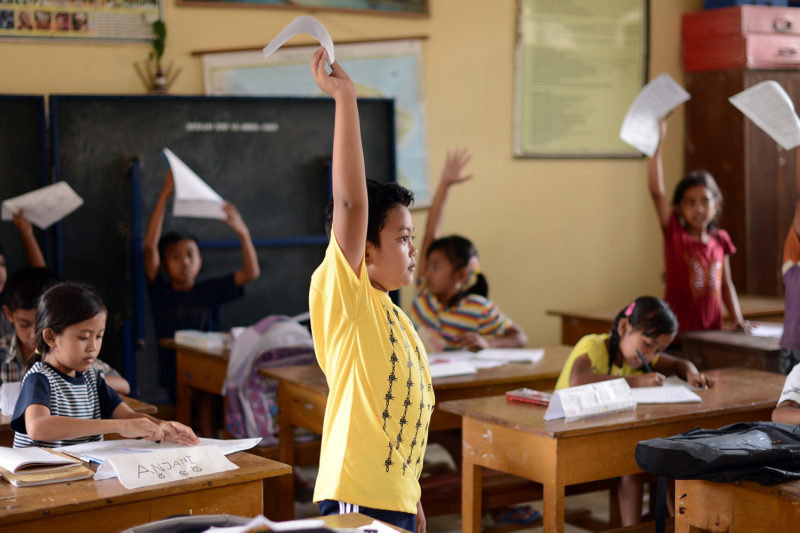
350 201
152 261
250 269
32 250
796 219
655 175
451 174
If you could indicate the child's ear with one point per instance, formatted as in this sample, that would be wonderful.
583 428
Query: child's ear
49 337
367 253
623 327
462 275
9 314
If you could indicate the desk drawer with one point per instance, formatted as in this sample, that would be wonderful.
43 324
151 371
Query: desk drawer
738 20
743 51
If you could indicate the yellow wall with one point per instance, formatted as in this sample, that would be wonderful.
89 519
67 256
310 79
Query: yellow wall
551 233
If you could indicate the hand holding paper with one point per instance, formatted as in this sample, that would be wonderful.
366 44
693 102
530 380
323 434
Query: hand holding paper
302 24
45 206
768 105
193 197
640 127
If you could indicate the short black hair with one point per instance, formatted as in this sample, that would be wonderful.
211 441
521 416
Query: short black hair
170 238
26 285
702 178
382 197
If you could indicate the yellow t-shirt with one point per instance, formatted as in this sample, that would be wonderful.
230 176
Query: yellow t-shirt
595 347
381 398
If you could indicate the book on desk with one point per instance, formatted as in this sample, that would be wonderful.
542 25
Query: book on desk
23 467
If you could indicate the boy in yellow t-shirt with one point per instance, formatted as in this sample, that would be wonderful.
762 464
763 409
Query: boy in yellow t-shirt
381 398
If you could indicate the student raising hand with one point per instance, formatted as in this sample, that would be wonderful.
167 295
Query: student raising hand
335 83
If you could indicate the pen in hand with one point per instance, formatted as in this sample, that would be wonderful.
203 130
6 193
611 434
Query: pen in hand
645 364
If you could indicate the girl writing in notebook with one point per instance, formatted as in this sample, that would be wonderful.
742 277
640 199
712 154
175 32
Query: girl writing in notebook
631 350
696 253
64 400
451 308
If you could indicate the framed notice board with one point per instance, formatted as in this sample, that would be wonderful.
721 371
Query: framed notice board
578 67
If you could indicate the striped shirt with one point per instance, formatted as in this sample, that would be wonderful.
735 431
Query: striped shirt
470 313
86 395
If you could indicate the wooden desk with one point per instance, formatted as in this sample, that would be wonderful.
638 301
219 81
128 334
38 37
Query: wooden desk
107 505
7 435
738 507
196 369
303 393
575 323
722 348
514 438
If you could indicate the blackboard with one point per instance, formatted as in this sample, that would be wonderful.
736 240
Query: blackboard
23 164
268 156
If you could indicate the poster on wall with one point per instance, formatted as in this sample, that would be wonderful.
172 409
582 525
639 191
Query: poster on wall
382 69
103 20
579 65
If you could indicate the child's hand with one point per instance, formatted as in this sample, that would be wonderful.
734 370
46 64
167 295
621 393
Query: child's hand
744 326
454 164
472 341
700 380
234 220
662 133
136 428
337 83
23 225
649 379
177 432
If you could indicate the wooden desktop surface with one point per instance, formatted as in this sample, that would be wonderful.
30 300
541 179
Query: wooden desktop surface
741 506
108 506
575 323
719 348
514 438
303 394
353 521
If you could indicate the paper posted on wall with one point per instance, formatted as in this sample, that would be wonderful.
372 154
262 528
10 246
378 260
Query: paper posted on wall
193 196
640 127
44 207
769 106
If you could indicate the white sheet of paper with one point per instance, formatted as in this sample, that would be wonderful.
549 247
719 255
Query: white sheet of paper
772 110
767 330
193 196
591 399
44 207
378 527
164 466
511 355
9 392
452 368
302 24
656 99
261 522
664 394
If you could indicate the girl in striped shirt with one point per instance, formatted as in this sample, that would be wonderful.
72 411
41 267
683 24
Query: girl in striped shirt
64 400
451 309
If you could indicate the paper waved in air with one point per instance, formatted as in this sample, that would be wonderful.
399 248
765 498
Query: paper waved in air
302 24
771 109
193 197
640 127
44 207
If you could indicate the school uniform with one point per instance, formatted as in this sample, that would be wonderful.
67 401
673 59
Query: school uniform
381 398
84 395
693 272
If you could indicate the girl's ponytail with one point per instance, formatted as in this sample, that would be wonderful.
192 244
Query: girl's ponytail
648 314
480 287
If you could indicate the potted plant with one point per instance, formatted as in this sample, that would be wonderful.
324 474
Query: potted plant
153 76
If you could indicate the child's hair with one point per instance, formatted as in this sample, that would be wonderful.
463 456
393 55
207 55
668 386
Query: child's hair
61 306
702 178
382 197
459 251
2 250
648 314
26 285
170 238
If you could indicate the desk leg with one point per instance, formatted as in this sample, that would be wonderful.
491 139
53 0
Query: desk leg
471 504
682 507
553 506
183 394
286 452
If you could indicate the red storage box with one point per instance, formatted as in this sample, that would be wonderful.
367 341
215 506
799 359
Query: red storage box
742 36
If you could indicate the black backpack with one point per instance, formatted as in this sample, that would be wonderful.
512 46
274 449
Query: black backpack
766 450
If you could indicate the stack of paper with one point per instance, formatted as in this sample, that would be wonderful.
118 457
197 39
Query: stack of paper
44 207
640 127
193 197
768 105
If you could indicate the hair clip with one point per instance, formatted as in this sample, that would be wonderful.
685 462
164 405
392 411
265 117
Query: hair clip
629 309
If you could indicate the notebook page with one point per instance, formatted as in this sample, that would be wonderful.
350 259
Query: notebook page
771 109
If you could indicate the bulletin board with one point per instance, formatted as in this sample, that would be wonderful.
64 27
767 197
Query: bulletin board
578 67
